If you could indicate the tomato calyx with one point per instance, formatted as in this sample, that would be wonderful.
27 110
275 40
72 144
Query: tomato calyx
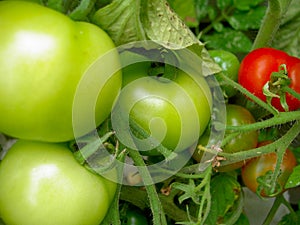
163 72
276 86
265 189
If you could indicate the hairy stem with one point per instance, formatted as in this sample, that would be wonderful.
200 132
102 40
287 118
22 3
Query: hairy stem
270 24
251 96
280 143
138 197
155 204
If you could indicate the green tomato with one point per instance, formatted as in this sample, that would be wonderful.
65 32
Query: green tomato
175 112
42 183
229 64
235 116
44 56
134 216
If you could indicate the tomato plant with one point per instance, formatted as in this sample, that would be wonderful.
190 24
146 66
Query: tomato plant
148 97
44 55
230 66
193 193
256 69
42 183
259 166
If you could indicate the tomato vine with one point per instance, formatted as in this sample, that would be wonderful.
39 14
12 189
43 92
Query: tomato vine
190 195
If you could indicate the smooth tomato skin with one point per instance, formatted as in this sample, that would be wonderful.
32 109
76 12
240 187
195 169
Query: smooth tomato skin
256 68
44 55
157 97
134 217
294 74
42 183
229 64
258 166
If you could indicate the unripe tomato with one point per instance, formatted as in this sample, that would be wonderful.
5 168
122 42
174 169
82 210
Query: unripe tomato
229 64
174 111
43 57
42 183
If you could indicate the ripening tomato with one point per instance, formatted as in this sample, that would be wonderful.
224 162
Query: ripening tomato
259 166
235 115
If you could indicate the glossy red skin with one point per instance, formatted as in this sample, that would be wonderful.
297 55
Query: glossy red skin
258 166
256 69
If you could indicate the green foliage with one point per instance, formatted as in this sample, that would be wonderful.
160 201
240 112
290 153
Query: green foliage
290 219
242 220
226 196
186 10
129 20
230 25
228 39
294 178
288 36
224 24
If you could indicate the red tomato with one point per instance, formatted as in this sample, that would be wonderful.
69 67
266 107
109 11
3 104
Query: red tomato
259 166
256 69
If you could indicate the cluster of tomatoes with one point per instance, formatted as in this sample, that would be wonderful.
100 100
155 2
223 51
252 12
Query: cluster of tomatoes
44 58
253 73
44 55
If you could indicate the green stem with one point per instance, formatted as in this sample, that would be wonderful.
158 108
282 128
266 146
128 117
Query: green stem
139 198
142 133
270 24
206 198
292 211
113 215
280 143
155 204
82 10
251 96
292 92
281 118
91 148
272 212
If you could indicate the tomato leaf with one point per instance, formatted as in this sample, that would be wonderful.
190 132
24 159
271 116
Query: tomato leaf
294 178
245 20
130 20
230 40
246 4
121 20
82 10
57 5
162 24
186 11
288 36
225 192
243 220
202 8
290 219
223 4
